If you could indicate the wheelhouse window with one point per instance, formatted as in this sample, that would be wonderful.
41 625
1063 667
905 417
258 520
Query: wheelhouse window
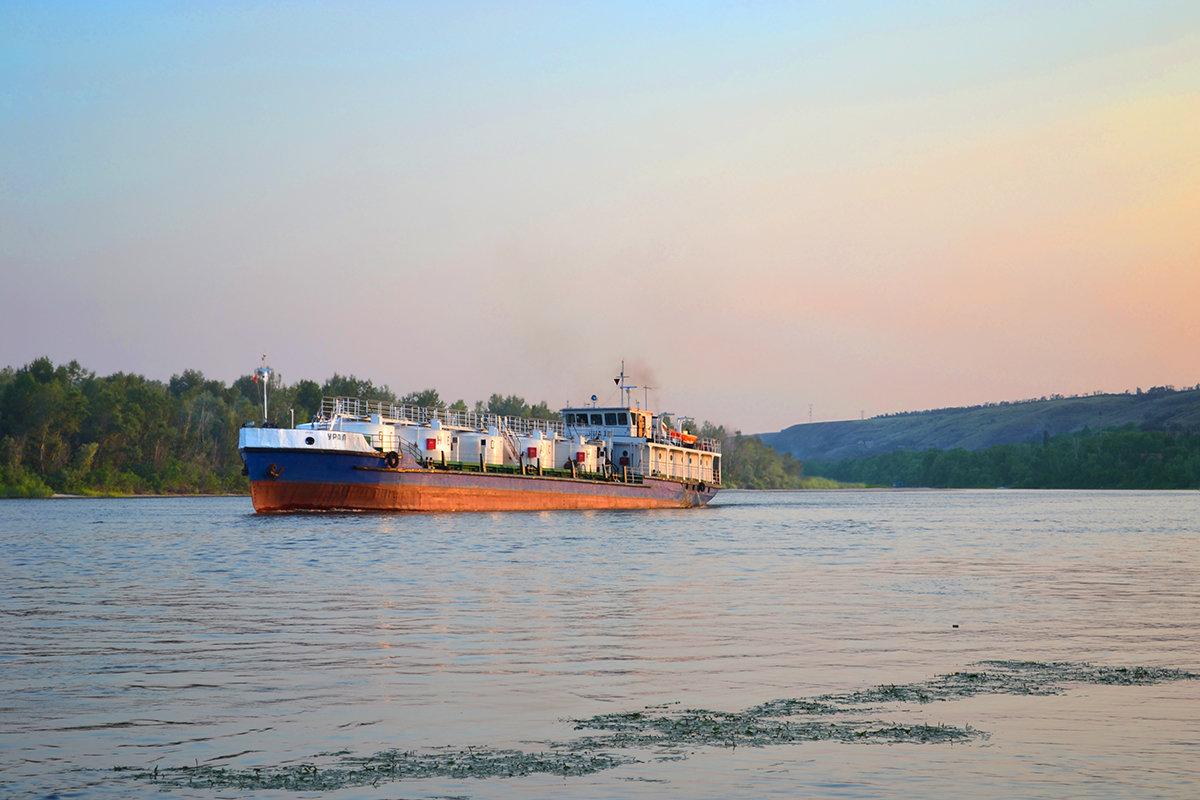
597 419
622 418
610 418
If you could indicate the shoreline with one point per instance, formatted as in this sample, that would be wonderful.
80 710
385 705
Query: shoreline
105 496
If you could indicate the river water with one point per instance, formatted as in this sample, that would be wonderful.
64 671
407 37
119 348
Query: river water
164 634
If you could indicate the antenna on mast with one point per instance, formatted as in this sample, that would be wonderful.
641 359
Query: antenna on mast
620 382
646 395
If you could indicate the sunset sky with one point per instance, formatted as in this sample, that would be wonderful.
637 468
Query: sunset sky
859 207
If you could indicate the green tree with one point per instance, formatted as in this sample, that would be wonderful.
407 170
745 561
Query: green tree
427 398
351 386
307 400
1122 458
42 408
510 406
543 411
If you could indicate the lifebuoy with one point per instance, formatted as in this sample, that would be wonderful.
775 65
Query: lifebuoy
392 459
274 471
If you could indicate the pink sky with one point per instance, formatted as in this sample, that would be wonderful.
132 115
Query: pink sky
760 209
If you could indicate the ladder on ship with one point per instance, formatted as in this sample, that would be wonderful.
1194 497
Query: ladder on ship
512 451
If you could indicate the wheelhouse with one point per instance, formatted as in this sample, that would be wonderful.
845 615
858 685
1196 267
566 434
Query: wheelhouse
642 443
605 422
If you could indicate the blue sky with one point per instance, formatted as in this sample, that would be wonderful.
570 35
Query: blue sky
865 207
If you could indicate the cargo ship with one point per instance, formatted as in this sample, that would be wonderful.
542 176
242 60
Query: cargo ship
363 455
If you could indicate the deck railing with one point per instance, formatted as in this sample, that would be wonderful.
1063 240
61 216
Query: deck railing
707 445
332 407
390 413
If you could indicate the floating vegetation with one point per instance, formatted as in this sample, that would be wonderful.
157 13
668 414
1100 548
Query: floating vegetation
665 730
751 729
1009 677
386 766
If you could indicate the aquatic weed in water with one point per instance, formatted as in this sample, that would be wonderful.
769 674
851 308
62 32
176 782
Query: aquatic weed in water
833 717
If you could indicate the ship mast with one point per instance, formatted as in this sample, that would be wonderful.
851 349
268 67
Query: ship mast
620 382
263 375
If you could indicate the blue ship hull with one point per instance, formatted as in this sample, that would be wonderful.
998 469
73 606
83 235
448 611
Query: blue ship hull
326 480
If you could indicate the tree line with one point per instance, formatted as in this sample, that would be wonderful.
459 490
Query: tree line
1148 394
1121 458
747 463
63 429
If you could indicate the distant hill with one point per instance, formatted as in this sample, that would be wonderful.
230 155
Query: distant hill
1161 408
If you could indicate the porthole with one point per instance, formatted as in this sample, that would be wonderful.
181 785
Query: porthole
309 440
